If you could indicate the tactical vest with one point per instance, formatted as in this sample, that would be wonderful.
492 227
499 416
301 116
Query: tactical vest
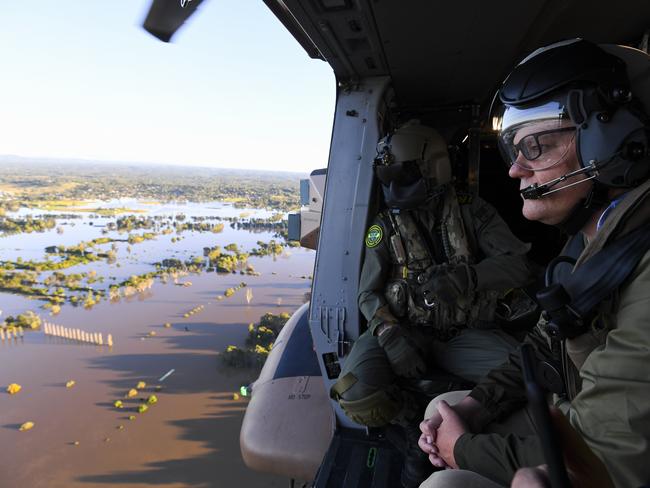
413 262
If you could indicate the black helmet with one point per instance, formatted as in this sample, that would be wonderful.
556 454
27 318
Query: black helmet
601 90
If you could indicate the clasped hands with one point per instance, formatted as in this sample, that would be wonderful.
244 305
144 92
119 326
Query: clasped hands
442 430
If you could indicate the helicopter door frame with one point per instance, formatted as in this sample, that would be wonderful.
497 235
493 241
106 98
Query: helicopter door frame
334 312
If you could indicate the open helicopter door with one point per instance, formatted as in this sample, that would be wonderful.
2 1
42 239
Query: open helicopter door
304 226
291 427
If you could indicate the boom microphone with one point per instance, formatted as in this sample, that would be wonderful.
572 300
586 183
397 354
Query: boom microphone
537 191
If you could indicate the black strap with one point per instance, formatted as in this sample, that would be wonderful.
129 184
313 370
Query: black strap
571 300
605 271
425 237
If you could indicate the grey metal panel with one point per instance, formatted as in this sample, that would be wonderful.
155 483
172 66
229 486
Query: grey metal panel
293 233
289 21
446 53
334 314
441 53
345 37
304 192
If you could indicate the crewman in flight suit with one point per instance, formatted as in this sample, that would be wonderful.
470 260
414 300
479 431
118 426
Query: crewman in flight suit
437 262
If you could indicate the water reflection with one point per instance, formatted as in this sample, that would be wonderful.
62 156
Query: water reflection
133 259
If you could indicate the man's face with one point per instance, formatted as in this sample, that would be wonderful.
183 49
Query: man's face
558 157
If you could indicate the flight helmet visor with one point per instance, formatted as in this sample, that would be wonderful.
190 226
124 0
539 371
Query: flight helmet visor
401 173
534 138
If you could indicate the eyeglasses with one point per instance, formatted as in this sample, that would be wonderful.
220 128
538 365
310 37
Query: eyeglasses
533 146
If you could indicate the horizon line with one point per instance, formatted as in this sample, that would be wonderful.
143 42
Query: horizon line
43 159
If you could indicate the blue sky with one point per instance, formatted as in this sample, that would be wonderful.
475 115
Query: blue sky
82 79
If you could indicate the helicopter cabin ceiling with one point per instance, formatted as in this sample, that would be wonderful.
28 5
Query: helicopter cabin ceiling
441 54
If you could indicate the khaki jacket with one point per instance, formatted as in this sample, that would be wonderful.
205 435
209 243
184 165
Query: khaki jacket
607 371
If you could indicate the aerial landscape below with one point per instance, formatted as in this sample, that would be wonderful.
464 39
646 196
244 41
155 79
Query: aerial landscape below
138 304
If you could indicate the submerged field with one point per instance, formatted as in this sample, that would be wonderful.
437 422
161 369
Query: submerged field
175 286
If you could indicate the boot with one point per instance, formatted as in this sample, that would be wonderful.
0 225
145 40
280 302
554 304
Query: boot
404 433
416 467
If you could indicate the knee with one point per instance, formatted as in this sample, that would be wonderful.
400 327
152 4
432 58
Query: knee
451 397
366 387
457 478
367 404
375 409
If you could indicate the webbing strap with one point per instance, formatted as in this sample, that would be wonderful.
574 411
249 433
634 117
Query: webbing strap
605 271
342 385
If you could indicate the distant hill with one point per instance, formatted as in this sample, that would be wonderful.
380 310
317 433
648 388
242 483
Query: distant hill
12 163
30 180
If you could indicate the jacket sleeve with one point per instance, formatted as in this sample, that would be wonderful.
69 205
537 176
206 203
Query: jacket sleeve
505 264
374 275
497 457
501 392
612 411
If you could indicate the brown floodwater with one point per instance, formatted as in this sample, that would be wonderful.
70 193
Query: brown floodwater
190 438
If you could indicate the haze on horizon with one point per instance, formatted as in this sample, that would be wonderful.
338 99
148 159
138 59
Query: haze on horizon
83 80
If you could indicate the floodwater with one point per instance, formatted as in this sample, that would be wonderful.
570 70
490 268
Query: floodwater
190 437
135 259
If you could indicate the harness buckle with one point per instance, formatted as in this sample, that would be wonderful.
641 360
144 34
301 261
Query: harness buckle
433 303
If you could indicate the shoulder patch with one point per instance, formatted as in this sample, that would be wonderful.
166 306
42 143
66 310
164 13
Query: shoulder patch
374 235
464 198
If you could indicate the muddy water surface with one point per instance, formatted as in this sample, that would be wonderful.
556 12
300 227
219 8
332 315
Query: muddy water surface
190 438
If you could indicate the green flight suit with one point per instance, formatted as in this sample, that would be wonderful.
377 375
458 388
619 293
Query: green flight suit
464 345
607 376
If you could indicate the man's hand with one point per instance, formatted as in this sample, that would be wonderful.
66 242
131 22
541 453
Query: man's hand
465 411
427 441
402 354
451 428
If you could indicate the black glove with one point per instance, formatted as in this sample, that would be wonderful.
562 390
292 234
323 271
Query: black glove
448 283
402 354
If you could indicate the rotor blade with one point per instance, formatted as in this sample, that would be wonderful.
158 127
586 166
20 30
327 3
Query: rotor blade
165 17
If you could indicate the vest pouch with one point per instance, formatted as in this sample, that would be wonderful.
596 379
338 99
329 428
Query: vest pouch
516 311
396 294
398 249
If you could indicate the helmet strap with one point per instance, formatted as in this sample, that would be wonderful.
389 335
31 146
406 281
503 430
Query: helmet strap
585 209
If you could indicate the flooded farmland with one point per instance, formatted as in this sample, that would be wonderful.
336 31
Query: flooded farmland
189 435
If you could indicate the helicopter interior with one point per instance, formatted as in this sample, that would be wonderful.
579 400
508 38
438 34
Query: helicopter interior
444 61
441 63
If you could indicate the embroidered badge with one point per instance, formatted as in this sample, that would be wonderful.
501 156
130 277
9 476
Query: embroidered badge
374 235
464 198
